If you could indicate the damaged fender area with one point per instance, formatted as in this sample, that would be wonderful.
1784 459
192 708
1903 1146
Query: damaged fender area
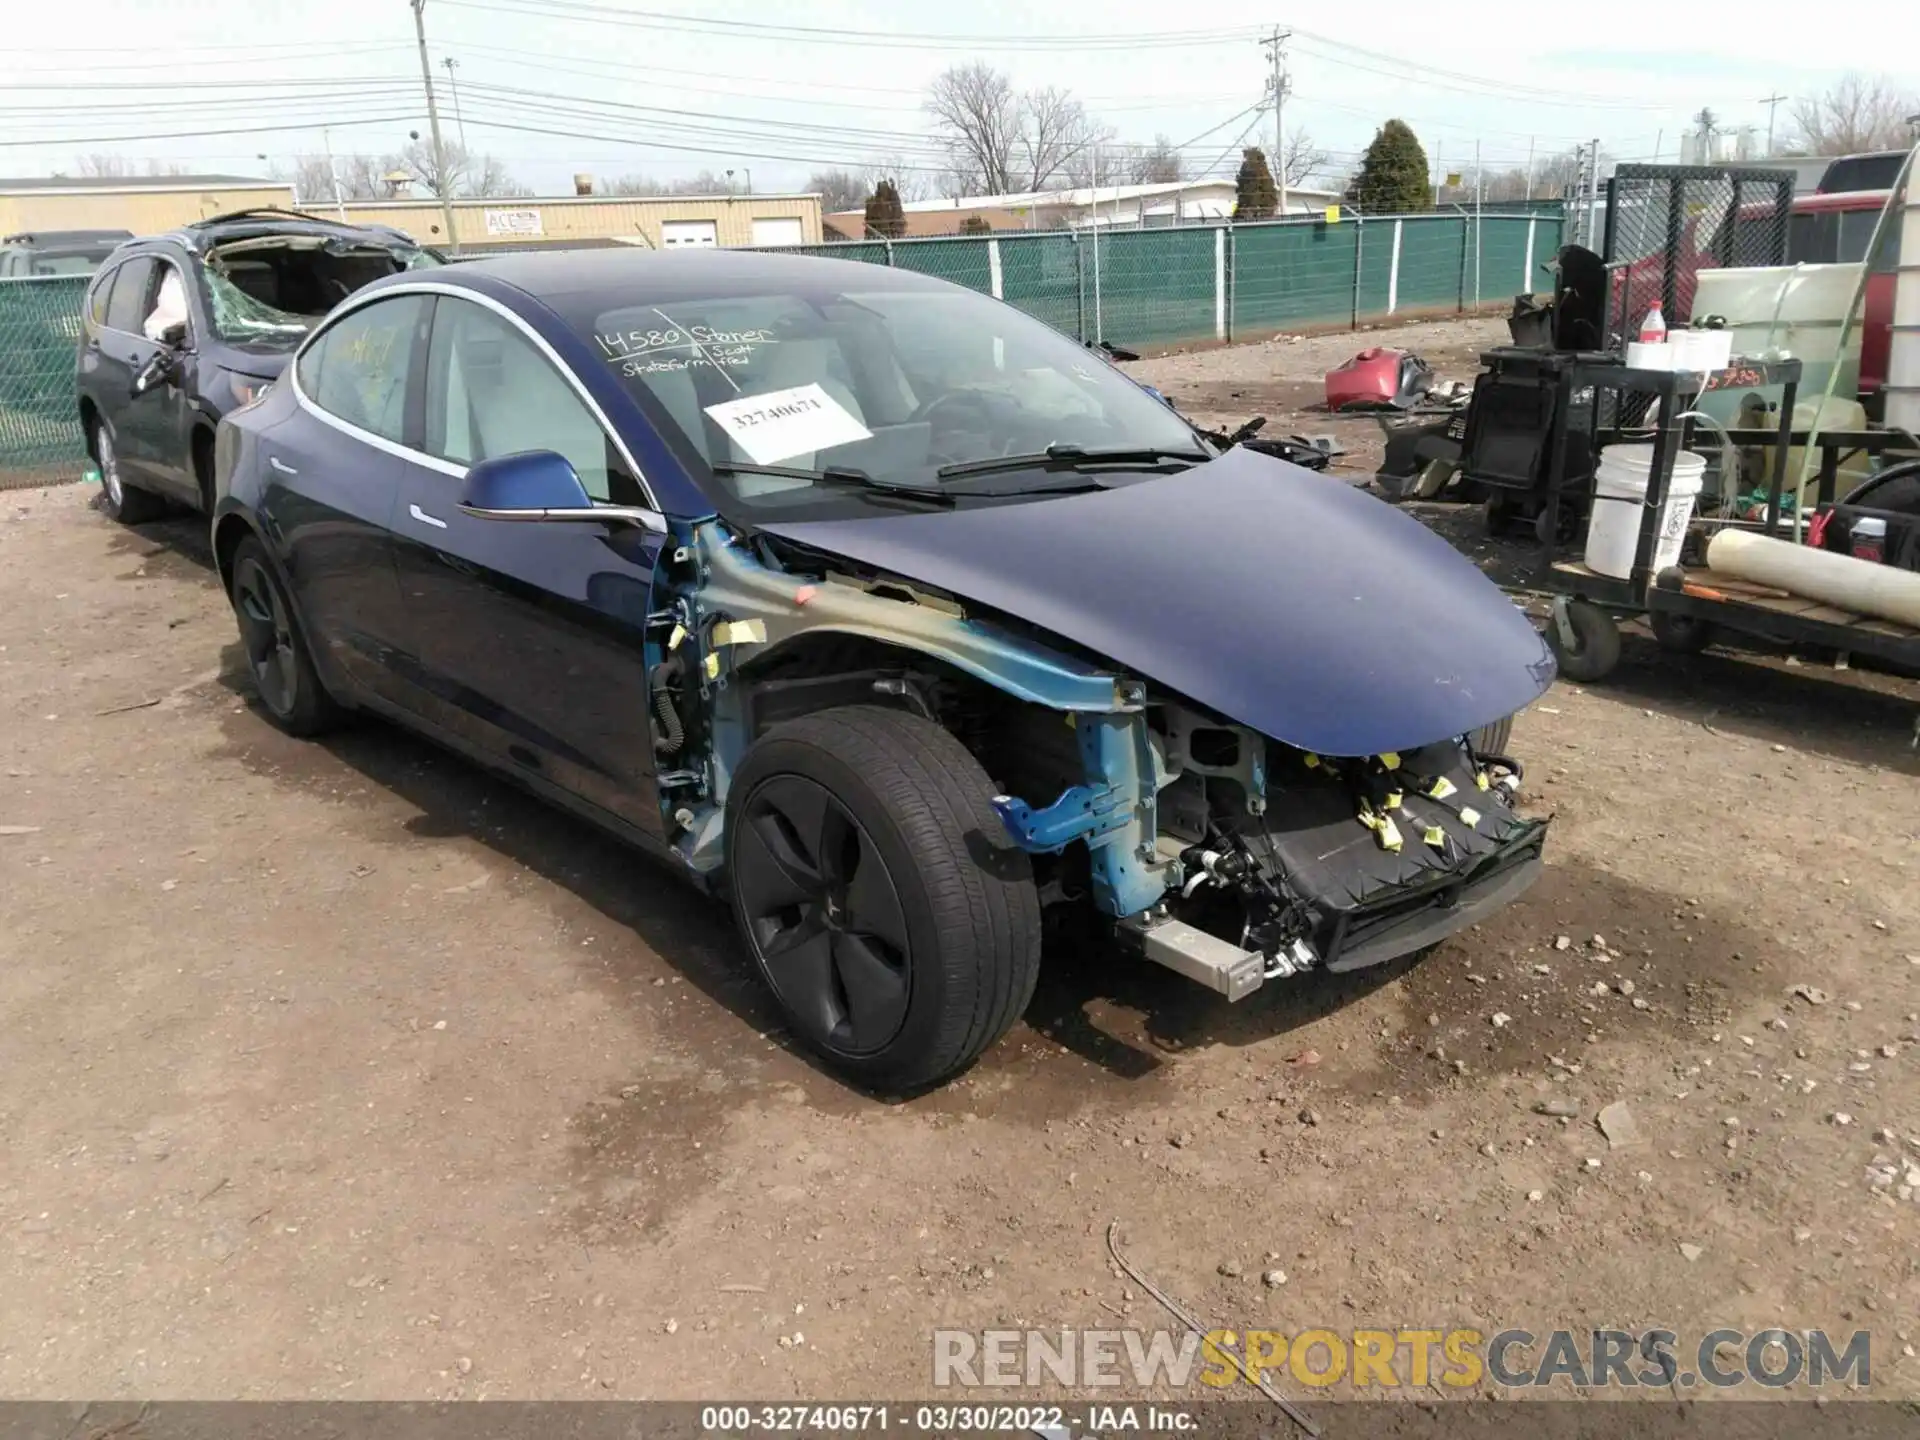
731 606
1221 853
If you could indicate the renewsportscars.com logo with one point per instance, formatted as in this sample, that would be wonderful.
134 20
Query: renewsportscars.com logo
1459 1359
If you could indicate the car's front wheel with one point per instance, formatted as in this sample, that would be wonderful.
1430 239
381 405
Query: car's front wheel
126 503
879 894
277 656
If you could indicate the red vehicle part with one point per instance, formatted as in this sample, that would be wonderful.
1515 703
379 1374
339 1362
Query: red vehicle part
1378 379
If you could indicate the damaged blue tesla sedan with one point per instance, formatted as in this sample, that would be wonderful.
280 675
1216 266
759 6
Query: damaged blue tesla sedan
889 614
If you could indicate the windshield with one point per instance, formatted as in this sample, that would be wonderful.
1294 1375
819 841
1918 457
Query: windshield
899 385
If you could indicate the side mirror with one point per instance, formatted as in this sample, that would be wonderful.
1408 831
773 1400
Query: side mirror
526 486
543 485
159 368
174 334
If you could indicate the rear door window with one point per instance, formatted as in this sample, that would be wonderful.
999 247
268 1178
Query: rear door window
357 368
132 283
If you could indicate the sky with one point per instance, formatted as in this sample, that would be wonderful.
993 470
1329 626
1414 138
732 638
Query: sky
668 88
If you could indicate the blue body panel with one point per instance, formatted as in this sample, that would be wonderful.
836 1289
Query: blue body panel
1287 601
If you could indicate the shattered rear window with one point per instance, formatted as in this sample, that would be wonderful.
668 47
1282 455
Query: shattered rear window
238 317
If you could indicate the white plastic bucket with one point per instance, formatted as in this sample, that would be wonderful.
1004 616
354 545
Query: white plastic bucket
1619 499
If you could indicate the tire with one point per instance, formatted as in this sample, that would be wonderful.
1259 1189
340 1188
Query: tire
1596 647
277 656
123 502
881 899
1680 634
1493 739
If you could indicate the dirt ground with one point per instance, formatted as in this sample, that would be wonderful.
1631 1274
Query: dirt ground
342 1070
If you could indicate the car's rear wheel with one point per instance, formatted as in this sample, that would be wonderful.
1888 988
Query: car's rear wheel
277 656
126 503
879 894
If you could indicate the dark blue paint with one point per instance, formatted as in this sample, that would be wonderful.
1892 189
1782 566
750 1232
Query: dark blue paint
535 480
1289 602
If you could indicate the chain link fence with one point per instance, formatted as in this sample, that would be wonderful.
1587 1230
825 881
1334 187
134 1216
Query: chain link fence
1667 223
1188 284
39 338
1134 287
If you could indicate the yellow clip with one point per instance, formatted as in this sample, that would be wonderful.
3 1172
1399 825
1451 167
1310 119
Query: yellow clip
1480 779
740 632
679 634
1394 799
1311 759
1391 760
1442 788
1384 828
1471 817
1436 837
713 664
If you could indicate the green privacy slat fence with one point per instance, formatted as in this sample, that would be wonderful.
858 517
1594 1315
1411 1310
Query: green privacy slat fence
39 333
1151 286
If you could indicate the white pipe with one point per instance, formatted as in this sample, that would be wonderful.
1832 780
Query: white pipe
1861 586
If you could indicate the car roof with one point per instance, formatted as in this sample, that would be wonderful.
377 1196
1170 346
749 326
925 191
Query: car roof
620 277
201 235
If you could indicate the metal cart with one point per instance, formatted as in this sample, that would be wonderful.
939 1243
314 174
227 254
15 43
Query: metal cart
1687 603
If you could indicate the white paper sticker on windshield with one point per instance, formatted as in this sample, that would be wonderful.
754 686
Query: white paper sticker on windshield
783 423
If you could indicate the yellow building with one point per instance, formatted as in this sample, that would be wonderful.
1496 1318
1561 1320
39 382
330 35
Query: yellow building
660 222
143 205
147 205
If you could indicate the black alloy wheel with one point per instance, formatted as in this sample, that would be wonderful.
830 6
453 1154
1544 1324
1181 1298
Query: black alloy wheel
282 669
823 915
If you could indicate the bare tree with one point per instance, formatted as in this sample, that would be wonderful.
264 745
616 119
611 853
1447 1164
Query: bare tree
99 166
839 189
705 183
1156 164
1858 113
1054 130
1303 158
467 172
978 114
909 182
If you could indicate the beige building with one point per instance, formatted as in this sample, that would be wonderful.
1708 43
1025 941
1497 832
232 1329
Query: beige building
659 222
144 205
148 205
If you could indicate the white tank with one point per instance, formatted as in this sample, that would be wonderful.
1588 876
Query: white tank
1903 363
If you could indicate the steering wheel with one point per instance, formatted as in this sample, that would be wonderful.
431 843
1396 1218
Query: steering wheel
972 412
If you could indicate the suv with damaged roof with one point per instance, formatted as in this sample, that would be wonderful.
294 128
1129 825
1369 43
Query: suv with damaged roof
180 329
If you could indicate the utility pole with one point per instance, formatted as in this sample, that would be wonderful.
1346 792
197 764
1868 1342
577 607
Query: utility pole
1772 102
339 199
1275 46
453 85
1593 195
433 123
1479 233
1530 145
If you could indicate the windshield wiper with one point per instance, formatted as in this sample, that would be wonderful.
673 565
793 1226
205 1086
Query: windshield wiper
1072 455
839 475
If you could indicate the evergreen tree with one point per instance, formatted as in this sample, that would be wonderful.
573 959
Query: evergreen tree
886 216
1256 197
1393 174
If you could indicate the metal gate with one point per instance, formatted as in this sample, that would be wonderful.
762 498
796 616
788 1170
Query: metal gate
1667 223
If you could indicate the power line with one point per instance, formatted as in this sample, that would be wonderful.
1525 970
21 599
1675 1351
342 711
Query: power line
579 10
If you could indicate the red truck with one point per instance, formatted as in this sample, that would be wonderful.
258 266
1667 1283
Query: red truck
1831 225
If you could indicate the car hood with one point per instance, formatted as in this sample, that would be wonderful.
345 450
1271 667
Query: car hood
1286 601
